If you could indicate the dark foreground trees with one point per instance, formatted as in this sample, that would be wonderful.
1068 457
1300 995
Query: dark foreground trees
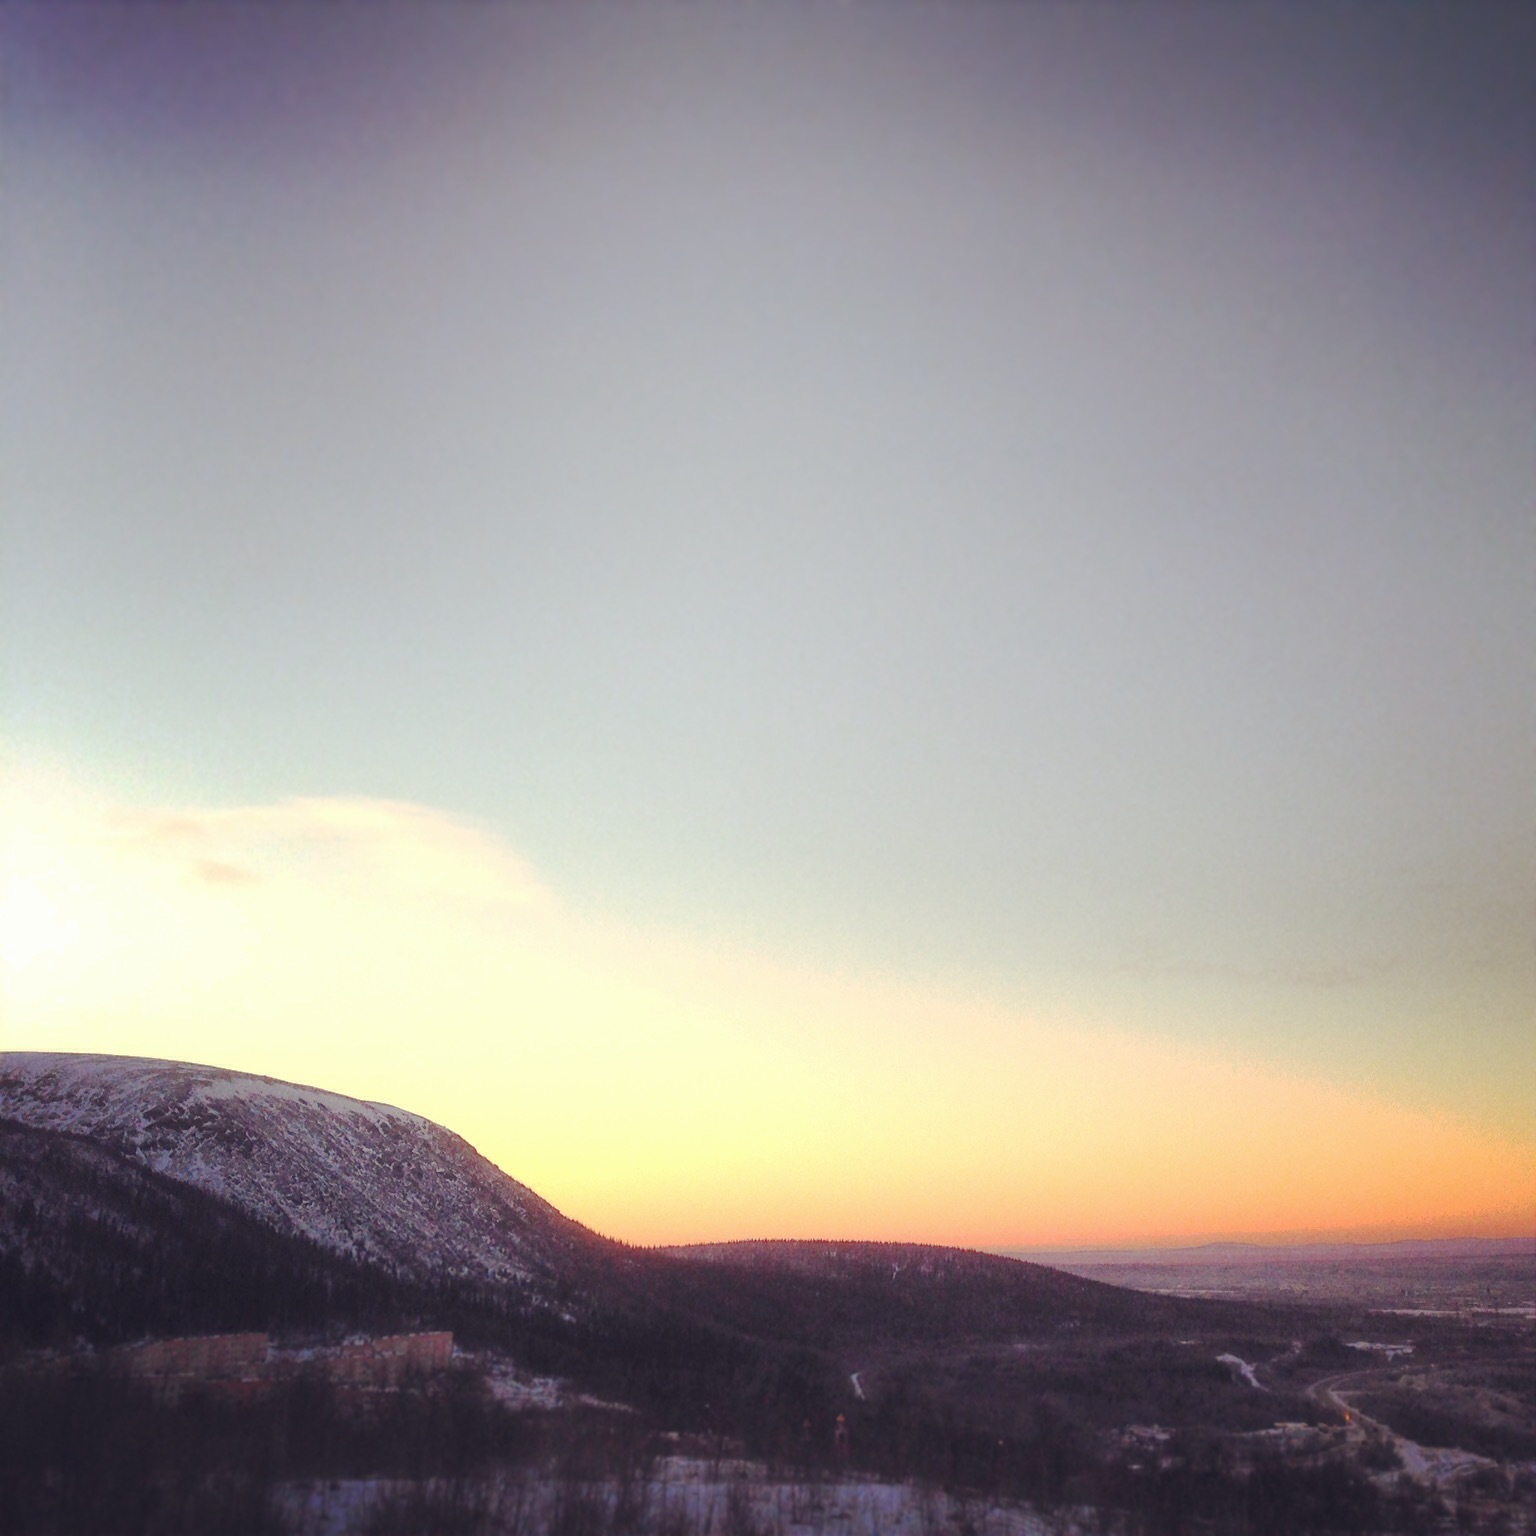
93 1453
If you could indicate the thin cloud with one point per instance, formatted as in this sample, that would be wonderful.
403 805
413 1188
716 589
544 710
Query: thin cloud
212 872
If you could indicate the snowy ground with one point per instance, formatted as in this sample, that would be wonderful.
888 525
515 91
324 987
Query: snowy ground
1244 1370
681 1497
1386 1351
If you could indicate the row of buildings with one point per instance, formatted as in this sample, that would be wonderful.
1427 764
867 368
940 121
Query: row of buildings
243 1364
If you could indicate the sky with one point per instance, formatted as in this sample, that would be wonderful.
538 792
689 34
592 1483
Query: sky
874 621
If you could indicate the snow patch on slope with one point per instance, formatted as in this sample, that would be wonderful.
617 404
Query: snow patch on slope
363 1179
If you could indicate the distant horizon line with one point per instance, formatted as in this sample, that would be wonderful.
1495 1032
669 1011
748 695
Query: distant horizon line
1517 1243
1490 1243
1480 1245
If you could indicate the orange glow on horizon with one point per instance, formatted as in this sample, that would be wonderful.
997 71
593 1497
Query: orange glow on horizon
662 1090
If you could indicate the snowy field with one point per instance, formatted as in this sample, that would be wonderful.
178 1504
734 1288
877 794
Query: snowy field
679 1497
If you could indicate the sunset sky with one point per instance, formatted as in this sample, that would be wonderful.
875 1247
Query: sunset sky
827 619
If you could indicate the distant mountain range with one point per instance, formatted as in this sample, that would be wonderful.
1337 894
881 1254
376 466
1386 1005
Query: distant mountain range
1282 1253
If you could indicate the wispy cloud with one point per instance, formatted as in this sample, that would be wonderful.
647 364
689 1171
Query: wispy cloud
213 872
1321 978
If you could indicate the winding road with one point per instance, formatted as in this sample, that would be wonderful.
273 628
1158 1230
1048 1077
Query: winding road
1427 1465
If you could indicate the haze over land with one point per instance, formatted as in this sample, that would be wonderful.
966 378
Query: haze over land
901 623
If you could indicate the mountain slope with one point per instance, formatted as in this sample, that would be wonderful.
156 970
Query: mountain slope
850 1292
379 1186
366 1181
141 1197
94 1247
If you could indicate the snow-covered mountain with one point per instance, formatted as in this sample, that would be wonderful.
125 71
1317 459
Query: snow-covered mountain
364 1180
95 1248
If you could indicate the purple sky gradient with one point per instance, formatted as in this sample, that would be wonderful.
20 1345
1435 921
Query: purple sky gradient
1038 496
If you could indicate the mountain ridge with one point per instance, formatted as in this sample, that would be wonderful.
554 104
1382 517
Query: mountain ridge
387 1189
368 1181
